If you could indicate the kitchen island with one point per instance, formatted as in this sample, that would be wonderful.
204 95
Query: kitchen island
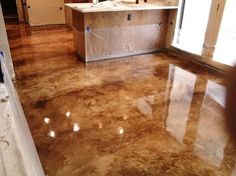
116 29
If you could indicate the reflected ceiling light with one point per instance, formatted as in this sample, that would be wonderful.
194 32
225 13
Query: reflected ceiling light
76 127
52 134
120 130
100 125
125 117
68 114
46 120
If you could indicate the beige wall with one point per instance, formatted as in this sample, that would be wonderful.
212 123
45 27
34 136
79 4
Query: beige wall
44 12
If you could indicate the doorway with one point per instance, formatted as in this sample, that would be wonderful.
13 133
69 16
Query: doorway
9 10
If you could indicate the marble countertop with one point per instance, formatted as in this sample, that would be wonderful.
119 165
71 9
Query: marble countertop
109 6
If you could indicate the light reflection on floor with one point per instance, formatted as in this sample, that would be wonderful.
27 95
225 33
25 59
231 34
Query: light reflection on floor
143 115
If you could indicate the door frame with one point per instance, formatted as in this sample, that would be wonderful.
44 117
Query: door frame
20 10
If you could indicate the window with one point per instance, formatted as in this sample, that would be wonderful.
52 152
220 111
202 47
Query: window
193 20
225 51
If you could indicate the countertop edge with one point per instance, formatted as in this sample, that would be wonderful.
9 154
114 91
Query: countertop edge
90 10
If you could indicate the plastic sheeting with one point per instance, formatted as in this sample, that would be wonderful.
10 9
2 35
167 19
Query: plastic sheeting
103 35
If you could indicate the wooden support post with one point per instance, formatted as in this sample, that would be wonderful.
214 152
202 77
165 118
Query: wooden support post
213 28
171 28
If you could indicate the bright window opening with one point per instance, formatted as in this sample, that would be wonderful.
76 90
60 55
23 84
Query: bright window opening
225 51
194 24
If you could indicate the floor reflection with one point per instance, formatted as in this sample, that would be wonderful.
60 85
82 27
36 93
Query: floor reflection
234 171
176 112
144 105
180 101
151 114
212 136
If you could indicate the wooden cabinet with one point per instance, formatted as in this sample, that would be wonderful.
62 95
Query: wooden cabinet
44 12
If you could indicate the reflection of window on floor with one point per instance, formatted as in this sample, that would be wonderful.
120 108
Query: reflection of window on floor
226 44
180 101
234 171
144 105
211 147
192 30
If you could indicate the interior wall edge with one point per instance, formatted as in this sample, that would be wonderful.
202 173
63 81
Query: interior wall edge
4 46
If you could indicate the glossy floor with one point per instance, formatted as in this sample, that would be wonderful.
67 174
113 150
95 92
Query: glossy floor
144 115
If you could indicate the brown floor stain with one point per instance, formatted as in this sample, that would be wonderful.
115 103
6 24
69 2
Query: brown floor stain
144 115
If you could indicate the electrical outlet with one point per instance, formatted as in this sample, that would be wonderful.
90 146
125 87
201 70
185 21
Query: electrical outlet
129 17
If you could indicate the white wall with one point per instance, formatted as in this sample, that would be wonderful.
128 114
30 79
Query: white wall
23 137
4 46
24 140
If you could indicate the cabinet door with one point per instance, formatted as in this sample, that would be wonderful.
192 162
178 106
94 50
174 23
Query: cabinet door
43 12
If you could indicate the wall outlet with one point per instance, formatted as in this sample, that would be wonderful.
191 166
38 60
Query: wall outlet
129 17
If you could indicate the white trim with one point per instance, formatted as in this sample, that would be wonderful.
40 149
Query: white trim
22 133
